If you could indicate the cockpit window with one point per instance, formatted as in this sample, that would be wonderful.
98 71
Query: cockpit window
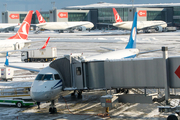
56 76
39 77
48 77
44 77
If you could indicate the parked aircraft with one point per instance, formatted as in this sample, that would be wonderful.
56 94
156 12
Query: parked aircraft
19 40
5 26
61 26
141 25
48 84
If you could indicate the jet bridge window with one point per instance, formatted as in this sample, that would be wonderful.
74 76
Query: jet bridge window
78 70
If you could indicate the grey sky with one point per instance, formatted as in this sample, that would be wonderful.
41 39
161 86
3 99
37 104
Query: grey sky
46 5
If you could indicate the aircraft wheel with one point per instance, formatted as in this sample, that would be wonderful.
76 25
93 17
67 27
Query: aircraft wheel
118 90
172 117
54 110
19 104
50 110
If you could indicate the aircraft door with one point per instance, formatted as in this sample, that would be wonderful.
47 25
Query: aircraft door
77 75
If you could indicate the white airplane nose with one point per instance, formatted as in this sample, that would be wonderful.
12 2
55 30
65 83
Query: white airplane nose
40 96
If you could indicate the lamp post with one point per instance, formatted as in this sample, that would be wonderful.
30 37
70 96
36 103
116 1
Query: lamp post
5 5
53 4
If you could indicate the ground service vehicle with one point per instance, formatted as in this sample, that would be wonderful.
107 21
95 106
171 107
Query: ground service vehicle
42 55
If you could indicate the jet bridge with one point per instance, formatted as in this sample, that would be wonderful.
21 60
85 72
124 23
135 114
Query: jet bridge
79 74
124 73
140 73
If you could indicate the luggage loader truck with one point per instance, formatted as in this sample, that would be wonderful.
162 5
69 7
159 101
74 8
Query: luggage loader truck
42 55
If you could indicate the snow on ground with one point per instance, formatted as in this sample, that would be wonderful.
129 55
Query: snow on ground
88 43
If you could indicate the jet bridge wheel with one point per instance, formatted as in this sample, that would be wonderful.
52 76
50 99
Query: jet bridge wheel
80 94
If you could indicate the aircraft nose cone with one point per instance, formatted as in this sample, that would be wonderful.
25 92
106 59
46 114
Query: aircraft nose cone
40 96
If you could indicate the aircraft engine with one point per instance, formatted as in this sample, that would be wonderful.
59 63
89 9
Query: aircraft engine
159 28
82 28
18 46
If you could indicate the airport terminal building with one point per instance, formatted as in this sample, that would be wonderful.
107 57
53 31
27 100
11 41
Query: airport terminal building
102 13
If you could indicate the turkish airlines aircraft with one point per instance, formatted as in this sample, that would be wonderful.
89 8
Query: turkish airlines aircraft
141 25
5 26
19 40
61 26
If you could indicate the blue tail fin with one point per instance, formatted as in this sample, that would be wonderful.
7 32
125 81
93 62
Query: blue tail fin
7 61
132 38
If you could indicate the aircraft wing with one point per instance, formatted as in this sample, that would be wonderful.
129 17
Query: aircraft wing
153 51
18 67
74 26
43 47
118 24
108 49
3 26
152 26
39 25
105 23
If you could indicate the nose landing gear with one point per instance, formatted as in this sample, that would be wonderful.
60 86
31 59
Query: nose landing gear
52 108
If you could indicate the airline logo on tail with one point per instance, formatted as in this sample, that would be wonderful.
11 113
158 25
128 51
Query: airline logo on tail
116 15
24 28
132 38
40 18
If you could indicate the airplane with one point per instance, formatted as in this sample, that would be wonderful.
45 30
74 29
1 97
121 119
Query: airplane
6 26
48 84
61 26
141 25
19 40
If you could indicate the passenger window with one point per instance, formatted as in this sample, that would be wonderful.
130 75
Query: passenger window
56 76
39 77
78 70
48 77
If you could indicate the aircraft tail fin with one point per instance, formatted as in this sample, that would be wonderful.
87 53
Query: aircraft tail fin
132 38
24 28
7 60
45 44
116 16
40 18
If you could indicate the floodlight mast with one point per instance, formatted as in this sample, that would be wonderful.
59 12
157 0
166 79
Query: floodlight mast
53 4
5 5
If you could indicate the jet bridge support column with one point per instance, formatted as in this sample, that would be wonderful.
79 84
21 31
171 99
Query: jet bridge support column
165 56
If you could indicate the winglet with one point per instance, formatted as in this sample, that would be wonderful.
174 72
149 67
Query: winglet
24 28
45 44
132 38
40 18
7 60
116 16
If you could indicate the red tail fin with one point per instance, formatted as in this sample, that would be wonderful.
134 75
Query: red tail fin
116 16
40 18
24 28
44 46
